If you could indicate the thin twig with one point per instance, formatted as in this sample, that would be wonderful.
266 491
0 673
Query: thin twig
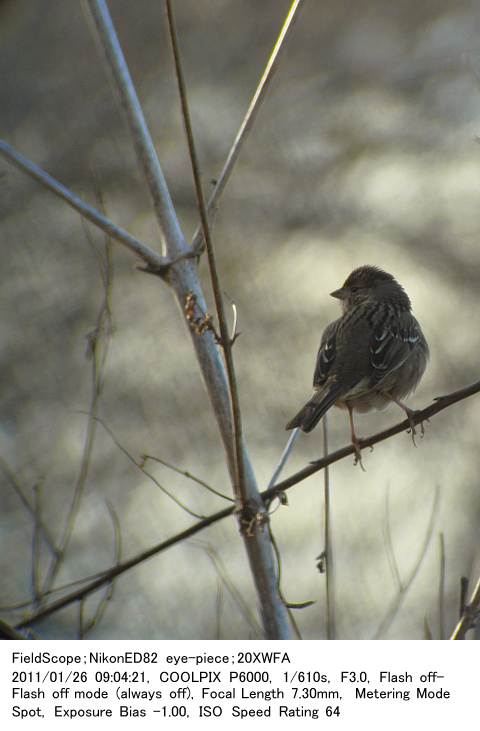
284 457
441 588
148 474
144 252
22 494
98 346
464 584
417 417
392 559
240 486
218 610
236 595
439 405
117 557
470 616
145 457
250 117
125 566
399 598
253 514
427 632
55 591
328 542
289 605
184 281
36 545
8 633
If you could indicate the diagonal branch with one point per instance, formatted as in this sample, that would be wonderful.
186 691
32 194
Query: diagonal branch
149 256
417 417
240 486
250 116
183 278
181 272
438 405
173 239
22 494
405 585
470 615
125 566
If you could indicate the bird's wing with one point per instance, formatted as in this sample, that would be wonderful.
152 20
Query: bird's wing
326 354
391 345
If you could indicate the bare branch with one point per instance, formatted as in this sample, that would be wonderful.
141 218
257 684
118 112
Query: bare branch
36 544
173 241
218 610
8 633
284 457
186 473
441 588
182 276
21 492
470 616
328 542
102 605
250 116
98 346
241 486
149 256
140 466
464 584
392 560
236 595
398 599
125 566
438 405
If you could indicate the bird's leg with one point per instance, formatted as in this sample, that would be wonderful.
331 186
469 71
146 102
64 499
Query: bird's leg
355 441
410 414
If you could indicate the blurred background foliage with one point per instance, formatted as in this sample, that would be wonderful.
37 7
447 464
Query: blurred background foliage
365 151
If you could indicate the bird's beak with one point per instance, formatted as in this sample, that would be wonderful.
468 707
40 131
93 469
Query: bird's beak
340 294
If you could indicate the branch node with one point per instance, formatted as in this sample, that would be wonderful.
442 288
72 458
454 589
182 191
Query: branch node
251 518
199 321
162 270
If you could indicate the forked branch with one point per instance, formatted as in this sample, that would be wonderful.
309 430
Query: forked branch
437 406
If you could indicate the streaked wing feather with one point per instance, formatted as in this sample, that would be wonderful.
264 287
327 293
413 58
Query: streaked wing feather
326 354
390 346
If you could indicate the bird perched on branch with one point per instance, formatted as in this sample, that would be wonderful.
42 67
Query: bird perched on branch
374 354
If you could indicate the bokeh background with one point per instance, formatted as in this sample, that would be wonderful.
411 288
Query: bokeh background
365 151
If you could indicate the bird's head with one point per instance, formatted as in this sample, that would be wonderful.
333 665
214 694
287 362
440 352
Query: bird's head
370 284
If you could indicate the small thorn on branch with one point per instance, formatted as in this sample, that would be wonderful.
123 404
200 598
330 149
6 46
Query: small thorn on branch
322 562
235 334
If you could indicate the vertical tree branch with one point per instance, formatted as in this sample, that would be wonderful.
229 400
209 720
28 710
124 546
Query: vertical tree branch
173 239
182 276
226 343
329 570
441 588
251 115
470 615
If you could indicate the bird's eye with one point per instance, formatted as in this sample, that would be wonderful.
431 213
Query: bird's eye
353 290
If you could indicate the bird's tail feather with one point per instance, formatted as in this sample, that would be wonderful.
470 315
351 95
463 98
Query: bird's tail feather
308 417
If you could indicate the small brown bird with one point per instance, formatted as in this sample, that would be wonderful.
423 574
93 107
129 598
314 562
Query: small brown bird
375 353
